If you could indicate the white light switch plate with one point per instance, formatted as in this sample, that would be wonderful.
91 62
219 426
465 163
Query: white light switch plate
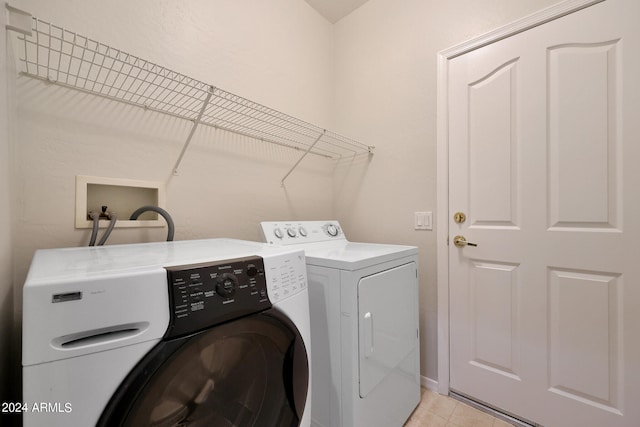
423 220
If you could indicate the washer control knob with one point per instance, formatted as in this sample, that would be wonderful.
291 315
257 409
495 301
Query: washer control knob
292 232
226 285
302 231
251 270
278 233
332 230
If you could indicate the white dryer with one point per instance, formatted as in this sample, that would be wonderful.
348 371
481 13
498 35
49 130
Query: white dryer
199 333
364 325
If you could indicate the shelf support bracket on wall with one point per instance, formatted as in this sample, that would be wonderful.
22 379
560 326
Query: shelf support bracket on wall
193 129
18 20
303 156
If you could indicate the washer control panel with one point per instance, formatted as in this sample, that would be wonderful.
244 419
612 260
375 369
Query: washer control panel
202 295
297 232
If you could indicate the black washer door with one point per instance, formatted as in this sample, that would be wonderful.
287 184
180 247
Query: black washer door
249 372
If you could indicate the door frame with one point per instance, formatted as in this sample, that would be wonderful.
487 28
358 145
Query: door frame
559 10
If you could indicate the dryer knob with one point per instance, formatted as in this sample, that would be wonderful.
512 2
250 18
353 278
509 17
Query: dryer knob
332 230
278 233
292 232
302 231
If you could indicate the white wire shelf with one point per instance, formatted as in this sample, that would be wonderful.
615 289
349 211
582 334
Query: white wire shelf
52 53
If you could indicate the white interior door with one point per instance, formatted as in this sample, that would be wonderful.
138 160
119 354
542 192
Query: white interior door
544 160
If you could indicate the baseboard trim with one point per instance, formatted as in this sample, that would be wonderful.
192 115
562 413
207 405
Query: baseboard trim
429 384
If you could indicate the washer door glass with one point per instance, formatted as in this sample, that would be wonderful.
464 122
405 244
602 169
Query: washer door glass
248 372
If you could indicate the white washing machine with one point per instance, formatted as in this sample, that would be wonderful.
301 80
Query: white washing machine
364 325
199 333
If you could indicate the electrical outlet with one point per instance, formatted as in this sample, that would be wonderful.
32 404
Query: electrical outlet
423 220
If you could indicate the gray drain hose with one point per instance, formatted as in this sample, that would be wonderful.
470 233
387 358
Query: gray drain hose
109 229
162 212
95 217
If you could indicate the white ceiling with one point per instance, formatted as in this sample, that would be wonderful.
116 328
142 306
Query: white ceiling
334 10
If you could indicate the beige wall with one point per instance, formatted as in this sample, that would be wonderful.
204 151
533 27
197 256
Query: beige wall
226 183
386 68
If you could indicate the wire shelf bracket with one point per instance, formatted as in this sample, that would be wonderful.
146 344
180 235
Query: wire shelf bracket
302 157
18 20
56 55
193 130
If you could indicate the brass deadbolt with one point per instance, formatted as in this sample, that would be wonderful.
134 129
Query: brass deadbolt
459 217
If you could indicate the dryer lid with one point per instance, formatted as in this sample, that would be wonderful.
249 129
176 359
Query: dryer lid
353 256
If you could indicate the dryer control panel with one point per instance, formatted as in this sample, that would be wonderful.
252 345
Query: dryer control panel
296 232
203 295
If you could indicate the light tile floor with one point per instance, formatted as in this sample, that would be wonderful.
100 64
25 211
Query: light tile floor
436 410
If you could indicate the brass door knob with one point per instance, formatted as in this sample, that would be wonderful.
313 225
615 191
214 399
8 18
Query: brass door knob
461 242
